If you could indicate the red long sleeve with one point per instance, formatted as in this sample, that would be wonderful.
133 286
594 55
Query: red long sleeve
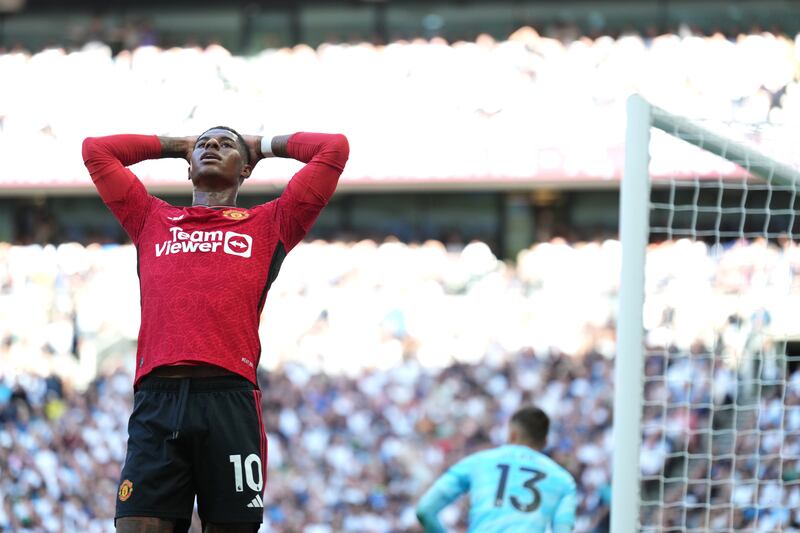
120 189
107 157
311 188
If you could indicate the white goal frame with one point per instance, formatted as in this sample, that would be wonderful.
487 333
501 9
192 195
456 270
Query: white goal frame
634 234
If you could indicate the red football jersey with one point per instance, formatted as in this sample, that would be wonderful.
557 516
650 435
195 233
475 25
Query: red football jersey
204 273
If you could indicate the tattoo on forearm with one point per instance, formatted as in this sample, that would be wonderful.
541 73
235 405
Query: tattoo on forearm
280 145
173 147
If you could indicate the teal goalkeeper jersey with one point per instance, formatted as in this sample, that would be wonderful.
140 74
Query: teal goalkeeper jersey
511 489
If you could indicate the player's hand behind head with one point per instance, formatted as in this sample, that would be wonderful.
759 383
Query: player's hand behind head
254 148
191 141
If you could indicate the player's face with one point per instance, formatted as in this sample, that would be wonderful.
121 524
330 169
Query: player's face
216 161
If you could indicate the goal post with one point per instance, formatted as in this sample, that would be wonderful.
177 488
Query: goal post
633 227
708 468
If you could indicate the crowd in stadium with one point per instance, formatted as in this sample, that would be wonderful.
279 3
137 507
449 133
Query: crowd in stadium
449 344
385 362
474 92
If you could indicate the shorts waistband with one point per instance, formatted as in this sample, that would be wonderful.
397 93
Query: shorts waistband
211 384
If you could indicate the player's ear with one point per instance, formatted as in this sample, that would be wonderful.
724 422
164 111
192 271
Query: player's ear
512 433
246 171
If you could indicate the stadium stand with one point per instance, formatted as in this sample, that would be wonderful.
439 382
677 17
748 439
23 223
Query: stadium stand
542 103
418 391
420 384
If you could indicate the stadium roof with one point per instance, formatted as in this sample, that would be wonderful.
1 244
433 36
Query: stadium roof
112 5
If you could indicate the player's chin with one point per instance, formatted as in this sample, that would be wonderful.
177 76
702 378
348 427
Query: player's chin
214 179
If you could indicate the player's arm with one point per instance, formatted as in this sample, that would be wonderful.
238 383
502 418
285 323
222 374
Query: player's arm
106 159
450 485
312 186
180 147
564 517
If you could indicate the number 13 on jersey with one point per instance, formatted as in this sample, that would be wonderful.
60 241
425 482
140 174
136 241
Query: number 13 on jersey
533 476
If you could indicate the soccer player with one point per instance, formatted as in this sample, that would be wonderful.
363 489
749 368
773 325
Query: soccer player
204 273
512 488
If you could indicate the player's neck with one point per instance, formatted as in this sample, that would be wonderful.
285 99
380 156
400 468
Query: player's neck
225 198
534 447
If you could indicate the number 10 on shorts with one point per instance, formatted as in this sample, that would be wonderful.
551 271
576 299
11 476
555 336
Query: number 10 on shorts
249 461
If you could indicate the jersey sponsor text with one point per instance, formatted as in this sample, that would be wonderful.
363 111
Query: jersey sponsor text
181 241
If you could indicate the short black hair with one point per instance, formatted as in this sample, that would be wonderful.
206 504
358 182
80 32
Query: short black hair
239 138
533 423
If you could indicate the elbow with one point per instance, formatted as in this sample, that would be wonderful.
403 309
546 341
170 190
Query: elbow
89 148
339 148
341 143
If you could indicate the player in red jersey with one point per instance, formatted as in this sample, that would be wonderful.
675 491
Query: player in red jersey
204 273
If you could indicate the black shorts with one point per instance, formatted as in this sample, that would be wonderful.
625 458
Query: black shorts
199 437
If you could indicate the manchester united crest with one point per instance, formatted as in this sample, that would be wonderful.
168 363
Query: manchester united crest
125 490
235 214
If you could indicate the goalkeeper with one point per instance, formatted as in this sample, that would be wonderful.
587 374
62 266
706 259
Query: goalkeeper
512 488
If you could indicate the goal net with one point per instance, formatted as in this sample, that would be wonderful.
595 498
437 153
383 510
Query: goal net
707 380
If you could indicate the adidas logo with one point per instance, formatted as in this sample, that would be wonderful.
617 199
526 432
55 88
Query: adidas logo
256 502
